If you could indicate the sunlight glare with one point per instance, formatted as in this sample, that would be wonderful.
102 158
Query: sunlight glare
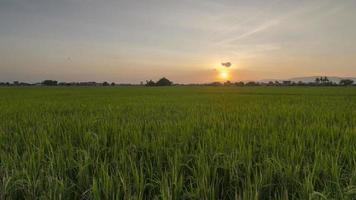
224 75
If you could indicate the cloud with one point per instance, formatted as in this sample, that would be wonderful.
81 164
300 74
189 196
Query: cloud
266 19
226 64
251 32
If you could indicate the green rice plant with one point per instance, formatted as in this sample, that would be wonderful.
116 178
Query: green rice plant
178 143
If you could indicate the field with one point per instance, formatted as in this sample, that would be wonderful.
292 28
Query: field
178 143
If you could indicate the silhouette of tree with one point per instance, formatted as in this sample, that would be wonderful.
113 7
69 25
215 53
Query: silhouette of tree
326 79
49 83
270 83
317 80
252 83
300 83
150 83
346 82
240 83
216 83
227 83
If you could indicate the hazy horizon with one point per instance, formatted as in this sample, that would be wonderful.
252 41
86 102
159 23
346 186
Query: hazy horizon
130 41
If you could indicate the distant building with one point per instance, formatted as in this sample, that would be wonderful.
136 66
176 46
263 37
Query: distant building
287 82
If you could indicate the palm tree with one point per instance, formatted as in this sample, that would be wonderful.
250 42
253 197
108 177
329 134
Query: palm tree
317 80
326 79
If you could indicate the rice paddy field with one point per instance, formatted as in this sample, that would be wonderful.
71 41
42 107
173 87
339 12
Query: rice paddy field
178 143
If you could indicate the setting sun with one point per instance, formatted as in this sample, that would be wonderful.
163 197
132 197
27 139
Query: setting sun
224 75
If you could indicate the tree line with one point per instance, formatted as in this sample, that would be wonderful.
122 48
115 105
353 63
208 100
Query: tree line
319 81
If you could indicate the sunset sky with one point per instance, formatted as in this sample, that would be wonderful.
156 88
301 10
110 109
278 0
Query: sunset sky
186 41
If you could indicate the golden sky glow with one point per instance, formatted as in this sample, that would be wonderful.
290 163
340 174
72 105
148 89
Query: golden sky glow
186 41
224 75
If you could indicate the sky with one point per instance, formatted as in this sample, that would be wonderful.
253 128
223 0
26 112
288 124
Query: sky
129 41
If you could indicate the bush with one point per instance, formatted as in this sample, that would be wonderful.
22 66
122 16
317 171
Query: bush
49 83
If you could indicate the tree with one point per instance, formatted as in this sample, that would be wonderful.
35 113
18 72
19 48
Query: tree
49 83
113 84
216 83
164 82
317 80
300 83
227 83
106 84
270 83
240 83
252 83
346 82
150 83
326 79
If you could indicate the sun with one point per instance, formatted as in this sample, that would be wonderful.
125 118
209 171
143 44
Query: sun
224 75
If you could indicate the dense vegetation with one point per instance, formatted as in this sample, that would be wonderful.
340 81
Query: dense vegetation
178 143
